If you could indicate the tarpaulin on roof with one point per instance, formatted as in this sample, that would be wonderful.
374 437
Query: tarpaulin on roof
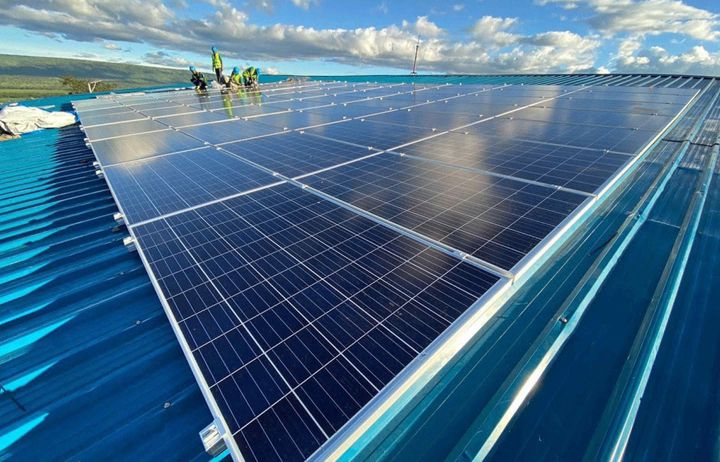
17 120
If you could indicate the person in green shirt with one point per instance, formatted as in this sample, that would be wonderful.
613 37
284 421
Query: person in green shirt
217 65
251 76
235 82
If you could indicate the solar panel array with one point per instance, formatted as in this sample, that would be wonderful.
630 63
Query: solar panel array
310 240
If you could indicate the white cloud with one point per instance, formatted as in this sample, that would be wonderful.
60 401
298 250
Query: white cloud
382 8
163 58
458 7
228 28
633 56
270 71
424 27
651 17
262 5
112 46
493 31
304 4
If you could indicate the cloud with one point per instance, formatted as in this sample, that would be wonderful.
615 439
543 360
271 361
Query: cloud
427 28
262 5
458 7
270 71
382 8
494 32
163 58
304 4
492 47
112 46
633 56
647 17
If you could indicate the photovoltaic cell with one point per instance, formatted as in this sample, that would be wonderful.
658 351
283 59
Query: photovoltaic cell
157 186
122 129
570 167
134 147
298 312
196 118
369 134
124 115
590 117
627 140
616 106
294 120
424 119
293 154
232 130
495 219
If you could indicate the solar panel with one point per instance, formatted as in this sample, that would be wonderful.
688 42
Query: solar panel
495 219
140 146
133 127
152 187
370 134
293 154
298 311
553 164
592 117
627 140
304 269
122 115
229 131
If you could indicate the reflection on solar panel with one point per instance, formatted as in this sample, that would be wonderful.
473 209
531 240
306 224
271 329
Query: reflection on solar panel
312 241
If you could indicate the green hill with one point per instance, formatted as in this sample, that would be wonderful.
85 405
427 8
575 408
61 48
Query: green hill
26 77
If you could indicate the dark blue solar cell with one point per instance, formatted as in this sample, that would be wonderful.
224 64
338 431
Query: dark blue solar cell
149 188
296 119
615 105
90 118
469 211
229 131
293 154
424 119
375 135
589 117
570 167
166 109
134 147
307 340
625 140
195 118
123 128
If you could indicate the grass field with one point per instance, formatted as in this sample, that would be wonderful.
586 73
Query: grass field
29 77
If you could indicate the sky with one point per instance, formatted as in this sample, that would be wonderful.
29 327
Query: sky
326 37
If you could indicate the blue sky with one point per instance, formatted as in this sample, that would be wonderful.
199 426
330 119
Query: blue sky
361 37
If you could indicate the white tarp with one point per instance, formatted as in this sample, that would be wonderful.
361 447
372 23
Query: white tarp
17 120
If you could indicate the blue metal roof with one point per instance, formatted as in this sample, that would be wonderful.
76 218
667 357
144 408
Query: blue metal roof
90 367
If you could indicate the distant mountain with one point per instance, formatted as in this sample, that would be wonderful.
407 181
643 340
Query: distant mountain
23 77
82 68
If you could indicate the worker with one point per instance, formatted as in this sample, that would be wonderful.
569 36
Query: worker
217 65
251 76
235 82
198 79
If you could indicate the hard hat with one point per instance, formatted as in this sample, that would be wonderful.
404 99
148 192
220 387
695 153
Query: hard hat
236 70
214 49
192 68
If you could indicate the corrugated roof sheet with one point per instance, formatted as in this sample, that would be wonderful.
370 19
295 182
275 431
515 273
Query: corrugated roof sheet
91 369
